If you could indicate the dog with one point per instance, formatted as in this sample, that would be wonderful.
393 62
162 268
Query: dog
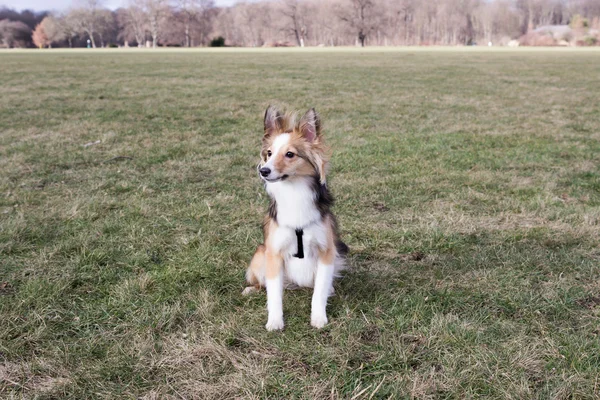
302 247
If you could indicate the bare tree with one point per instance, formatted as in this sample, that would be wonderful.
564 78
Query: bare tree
53 29
68 26
83 24
405 15
225 25
133 23
361 17
195 16
317 22
323 25
252 23
105 25
86 18
205 21
157 12
187 13
292 9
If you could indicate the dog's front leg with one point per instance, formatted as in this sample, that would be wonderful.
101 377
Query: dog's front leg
323 287
274 284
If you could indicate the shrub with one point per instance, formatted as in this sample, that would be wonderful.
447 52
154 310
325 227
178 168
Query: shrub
218 42
113 45
536 39
14 33
578 22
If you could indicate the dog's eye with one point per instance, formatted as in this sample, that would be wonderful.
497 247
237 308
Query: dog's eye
268 153
289 154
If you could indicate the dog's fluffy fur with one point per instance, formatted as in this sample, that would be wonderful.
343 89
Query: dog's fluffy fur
293 166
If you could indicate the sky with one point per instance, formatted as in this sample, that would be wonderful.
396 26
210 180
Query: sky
59 5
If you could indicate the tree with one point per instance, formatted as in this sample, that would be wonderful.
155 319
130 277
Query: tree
105 25
293 11
157 12
39 37
361 17
303 22
14 33
204 22
28 17
53 30
87 18
188 13
252 23
83 23
133 23
401 20
68 26
225 26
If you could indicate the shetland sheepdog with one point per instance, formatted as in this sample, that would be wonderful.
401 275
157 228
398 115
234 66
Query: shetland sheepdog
301 242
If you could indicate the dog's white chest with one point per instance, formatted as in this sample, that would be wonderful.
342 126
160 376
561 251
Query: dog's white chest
300 271
296 210
295 203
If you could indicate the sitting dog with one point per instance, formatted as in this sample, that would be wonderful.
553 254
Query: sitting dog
301 243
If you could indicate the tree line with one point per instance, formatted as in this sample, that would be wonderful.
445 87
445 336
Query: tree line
189 23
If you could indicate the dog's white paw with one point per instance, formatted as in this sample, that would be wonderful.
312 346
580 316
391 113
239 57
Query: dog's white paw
275 324
249 290
318 320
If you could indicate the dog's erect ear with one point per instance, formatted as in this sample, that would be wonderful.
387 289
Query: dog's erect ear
310 125
272 121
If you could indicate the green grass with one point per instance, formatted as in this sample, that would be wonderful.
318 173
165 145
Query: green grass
467 186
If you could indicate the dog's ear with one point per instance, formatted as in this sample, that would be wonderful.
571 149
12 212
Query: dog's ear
273 121
321 165
310 125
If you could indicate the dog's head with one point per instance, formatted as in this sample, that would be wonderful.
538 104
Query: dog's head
291 149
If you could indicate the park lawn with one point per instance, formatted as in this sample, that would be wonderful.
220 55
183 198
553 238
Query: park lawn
467 186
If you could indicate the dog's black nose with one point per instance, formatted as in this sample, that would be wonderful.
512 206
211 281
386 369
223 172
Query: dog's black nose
264 171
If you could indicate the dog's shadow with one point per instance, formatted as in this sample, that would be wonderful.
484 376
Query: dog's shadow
361 285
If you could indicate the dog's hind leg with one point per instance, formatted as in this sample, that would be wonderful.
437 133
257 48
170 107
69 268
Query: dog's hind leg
255 274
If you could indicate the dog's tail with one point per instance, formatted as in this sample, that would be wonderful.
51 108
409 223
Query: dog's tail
342 248
340 259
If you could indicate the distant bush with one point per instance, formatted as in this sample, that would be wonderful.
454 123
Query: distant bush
590 41
14 34
218 42
578 22
113 45
536 39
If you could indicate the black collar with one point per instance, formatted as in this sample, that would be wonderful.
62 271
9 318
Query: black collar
300 254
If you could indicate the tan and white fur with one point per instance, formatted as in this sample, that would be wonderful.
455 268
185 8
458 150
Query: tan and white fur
293 166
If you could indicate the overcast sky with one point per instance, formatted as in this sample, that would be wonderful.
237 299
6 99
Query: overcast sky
58 5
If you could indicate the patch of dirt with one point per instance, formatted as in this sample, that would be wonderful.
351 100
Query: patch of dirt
5 288
23 377
370 334
380 206
589 302
414 256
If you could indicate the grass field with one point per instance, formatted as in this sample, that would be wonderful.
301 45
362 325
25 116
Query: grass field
467 187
